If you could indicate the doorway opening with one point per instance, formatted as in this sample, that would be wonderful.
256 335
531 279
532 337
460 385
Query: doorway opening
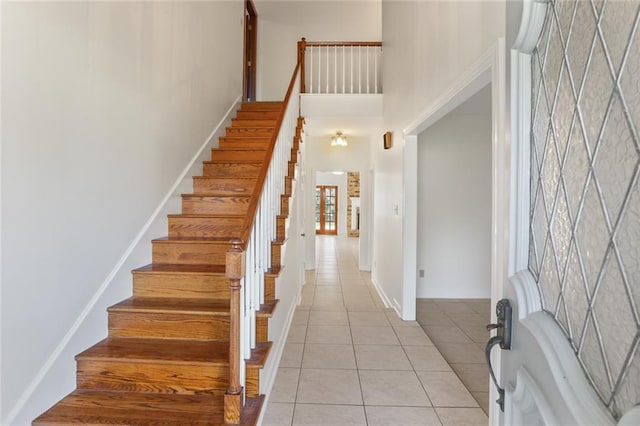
326 210
250 51
454 239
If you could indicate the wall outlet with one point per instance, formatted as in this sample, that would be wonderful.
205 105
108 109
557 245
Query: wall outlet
421 273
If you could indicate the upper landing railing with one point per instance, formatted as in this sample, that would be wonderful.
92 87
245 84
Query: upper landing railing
340 67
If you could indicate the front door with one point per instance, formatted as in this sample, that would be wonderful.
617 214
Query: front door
573 248
326 210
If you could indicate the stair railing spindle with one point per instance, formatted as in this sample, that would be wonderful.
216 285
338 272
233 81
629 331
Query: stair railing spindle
367 57
375 70
351 69
343 69
311 70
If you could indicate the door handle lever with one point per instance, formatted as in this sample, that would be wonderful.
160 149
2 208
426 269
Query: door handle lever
502 338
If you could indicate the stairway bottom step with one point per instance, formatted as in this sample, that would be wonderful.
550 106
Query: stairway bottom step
133 408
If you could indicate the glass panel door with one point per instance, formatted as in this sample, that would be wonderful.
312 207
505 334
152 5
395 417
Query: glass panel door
327 210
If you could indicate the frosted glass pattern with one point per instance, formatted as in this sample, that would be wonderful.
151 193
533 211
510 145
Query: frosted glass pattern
585 187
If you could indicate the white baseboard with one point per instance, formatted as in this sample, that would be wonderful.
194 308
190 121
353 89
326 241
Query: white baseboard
277 352
385 299
95 299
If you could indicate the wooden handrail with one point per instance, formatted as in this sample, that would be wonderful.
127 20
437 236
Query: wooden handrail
344 43
253 205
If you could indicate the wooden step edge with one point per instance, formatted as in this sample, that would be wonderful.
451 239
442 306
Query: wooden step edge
196 309
251 128
193 240
232 162
267 308
205 216
86 406
250 412
238 150
151 360
274 271
235 125
231 178
209 195
173 268
117 354
259 355
266 119
268 105
279 242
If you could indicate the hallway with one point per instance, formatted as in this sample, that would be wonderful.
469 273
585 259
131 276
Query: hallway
350 361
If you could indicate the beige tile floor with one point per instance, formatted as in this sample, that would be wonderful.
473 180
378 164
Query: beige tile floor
350 361
457 328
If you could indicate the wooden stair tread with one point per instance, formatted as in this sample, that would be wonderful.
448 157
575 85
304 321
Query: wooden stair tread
195 240
275 270
169 351
239 151
242 149
209 216
267 308
208 195
257 104
87 407
232 162
134 408
162 268
259 355
231 178
261 106
173 305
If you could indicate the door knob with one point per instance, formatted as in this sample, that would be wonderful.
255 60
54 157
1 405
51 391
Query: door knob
502 338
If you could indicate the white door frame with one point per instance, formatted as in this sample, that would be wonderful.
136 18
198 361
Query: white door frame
488 69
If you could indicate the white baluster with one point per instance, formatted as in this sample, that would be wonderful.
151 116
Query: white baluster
310 69
327 85
359 70
335 69
351 56
367 55
343 67
375 69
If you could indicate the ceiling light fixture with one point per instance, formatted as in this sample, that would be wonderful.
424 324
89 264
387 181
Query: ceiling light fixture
339 139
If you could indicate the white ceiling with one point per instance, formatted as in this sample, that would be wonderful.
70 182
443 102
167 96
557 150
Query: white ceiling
357 116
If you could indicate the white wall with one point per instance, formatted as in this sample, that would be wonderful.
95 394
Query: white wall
330 179
427 46
321 156
454 207
103 106
281 24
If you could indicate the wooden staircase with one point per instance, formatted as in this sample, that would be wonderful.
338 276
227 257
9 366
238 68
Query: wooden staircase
166 359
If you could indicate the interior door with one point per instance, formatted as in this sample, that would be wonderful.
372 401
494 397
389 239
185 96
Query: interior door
573 356
250 51
326 210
